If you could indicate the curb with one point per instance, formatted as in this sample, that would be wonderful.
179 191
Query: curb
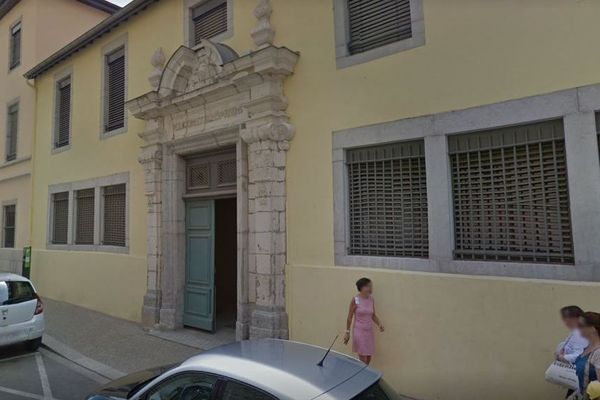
74 356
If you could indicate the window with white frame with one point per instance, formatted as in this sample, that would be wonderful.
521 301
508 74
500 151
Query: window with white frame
114 90
387 200
84 216
15 46
207 19
8 225
12 130
114 203
511 195
62 129
60 218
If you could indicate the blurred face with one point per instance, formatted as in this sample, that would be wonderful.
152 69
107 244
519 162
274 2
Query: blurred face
571 323
367 289
587 331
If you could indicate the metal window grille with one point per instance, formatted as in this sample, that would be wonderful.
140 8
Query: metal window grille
15 46
114 215
84 222
63 113
209 20
375 23
60 217
387 200
12 132
511 196
226 172
114 96
9 219
198 176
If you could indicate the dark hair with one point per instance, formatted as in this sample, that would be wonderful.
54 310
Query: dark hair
592 319
571 312
362 282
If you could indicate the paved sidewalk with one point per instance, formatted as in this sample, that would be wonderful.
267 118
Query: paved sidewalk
107 345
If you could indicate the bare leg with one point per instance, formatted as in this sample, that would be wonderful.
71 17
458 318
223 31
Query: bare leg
365 359
368 360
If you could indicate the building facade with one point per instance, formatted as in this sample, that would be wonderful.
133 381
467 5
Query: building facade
30 33
242 163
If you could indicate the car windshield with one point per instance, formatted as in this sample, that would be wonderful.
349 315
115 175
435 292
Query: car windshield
379 391
14 292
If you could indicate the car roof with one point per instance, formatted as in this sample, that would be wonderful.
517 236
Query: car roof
6 276
283 368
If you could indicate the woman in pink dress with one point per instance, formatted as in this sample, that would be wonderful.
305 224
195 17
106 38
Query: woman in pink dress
362 310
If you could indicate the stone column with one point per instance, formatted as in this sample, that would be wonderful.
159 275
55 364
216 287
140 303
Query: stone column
151 159
267 134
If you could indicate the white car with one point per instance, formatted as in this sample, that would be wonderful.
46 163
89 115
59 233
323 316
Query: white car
21 312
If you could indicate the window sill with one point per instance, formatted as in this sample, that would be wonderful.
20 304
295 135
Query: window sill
114 132
88 248
62 149
7 164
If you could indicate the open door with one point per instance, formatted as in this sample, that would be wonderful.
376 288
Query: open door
199 302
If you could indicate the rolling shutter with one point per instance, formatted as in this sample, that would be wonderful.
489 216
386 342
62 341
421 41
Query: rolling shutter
511 196
387 201
63 114
15 46
114 215
11 132
60 217
209 20
114 109
375 23
9 226
84 225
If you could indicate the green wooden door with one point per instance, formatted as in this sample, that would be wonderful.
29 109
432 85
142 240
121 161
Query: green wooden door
199 303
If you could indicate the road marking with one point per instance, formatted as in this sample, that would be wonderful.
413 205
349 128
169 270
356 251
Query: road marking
43 377
25 394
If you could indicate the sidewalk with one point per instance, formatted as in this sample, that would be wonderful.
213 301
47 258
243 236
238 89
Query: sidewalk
107 345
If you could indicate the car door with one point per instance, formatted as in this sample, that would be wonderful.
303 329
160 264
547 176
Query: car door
184 386
17 302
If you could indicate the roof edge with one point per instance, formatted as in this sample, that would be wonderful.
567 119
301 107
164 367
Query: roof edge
108 24
6 6
102 5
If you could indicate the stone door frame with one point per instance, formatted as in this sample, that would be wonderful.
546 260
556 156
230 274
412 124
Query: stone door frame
207 99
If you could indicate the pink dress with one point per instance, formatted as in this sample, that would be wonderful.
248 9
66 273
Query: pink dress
363 339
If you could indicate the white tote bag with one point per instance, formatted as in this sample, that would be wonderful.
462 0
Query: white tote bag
562 374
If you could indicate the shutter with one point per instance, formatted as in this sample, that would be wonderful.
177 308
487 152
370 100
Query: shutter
63 114
510 193
209 20
84 225
15 46
9 226
115 87
60 217
114 215
387 200
11 133
375 23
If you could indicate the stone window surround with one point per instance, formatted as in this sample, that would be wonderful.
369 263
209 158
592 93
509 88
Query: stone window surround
121 41
18 21
71 188
59 77
575 106
345 59
188 7
12 202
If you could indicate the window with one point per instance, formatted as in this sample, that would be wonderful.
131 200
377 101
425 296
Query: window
62 131
15 292
60 217
15 46
114 91
9 222
387 200
510 194
208 20
84 217
238 391
114 215
12 127
184 387
375 23
376 392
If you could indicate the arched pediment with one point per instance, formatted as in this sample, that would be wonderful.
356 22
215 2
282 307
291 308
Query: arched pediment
189 69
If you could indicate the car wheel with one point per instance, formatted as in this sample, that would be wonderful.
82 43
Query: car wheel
34 344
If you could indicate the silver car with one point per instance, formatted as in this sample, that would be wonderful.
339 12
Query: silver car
255 370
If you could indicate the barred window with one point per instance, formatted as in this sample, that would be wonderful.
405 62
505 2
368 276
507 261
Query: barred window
114 215
15 46
511 196
12 129
84 217
9 222
388 200
209 20
60 217
63 113
114 91
376 23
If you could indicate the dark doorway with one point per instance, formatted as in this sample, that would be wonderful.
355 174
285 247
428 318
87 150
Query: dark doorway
226 262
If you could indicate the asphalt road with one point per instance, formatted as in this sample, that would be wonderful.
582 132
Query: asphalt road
43 375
